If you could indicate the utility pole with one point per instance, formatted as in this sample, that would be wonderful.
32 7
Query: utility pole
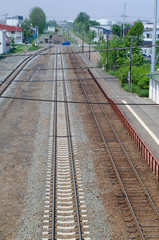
37 35
124 16
107 54
154 37
89 45
83 41
130 80
77 35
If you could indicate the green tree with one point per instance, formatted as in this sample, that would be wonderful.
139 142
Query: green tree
119 60
38 18
13 43
82 18
137 31
52 23
116 57
27 30
116 30
92 35
93 23
83 22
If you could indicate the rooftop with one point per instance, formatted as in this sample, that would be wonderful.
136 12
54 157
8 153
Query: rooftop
15 17
10 28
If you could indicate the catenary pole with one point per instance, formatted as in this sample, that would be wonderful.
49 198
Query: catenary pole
107 54
124 20
154 37
89 44
83 41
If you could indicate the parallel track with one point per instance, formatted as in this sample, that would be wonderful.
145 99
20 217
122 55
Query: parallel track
67 214
143 223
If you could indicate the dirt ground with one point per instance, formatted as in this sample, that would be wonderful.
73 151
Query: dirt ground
19 131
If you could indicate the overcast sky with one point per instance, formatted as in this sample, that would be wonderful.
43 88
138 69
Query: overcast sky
69 9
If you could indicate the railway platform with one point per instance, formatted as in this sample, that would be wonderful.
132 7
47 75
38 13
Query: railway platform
142 113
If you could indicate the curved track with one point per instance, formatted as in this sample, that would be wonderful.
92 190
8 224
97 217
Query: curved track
9 79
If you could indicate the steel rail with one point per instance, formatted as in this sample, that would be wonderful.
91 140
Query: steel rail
71 153
111 158
137 175
55 152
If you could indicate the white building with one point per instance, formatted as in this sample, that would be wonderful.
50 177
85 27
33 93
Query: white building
147 49
104 22
154 87
3 48
149 25
13 32
101 31
51 29
148 34
14 20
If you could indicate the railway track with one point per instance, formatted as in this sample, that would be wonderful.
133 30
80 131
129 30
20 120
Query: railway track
10 78
65 211
139 211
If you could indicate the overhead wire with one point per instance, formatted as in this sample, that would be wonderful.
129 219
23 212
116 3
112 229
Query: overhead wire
78 102
76 52
74 79
70 68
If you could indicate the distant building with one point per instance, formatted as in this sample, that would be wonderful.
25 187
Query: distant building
50 29
14 20
3 48
147 44
101 32
148 34
148 24
13 32
154 87
104 22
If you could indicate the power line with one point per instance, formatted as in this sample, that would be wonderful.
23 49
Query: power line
77 52
79 102
73 68
74 79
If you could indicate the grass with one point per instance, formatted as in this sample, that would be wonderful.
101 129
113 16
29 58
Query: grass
33 48
135 89
21 48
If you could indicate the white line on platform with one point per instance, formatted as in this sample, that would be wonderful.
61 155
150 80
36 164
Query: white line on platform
142 123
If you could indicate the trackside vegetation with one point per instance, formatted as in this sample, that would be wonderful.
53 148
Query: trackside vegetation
126 61
118 61
82 24
21 48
